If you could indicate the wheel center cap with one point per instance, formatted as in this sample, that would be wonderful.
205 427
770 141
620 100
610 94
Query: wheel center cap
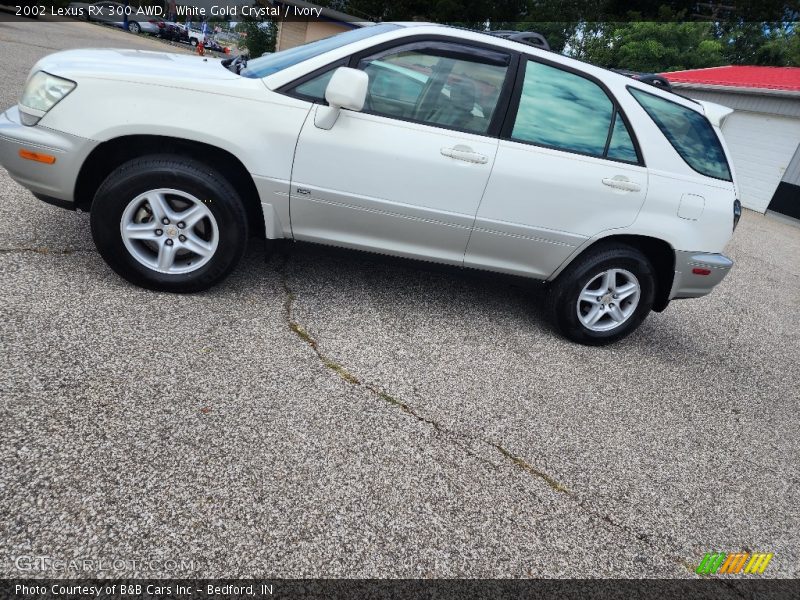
606 300
171 232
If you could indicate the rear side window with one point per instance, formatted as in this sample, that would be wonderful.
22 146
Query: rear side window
690 134
562 110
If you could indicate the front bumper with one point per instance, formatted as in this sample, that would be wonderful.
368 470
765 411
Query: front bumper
690 279
56 180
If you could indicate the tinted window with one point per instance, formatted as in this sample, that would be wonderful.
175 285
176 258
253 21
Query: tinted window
272 63
436 86
562 110
386 80
689 132
621 146
315 88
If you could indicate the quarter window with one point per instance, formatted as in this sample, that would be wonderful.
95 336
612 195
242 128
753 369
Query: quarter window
562 110
621 146
689 132
315 88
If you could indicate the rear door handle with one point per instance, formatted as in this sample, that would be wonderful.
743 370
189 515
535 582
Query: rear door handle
621 182
466 154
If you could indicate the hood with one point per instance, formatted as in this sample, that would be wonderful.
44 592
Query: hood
135 65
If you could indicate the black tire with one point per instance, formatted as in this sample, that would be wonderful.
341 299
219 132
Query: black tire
564 292
140 175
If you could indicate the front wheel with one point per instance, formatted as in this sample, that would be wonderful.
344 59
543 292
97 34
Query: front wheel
169 223
603 296
134 27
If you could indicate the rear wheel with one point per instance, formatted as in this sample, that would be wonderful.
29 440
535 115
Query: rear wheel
604 295
134 27
169 223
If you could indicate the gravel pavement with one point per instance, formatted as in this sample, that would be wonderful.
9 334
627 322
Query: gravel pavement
326 413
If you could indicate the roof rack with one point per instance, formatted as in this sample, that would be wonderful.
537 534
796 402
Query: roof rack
653 79
531 38
537 40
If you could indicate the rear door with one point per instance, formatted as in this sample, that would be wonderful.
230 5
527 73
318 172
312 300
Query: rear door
567 168
405 175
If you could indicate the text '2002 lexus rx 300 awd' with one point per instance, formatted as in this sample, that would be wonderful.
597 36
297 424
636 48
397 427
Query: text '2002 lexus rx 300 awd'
418 140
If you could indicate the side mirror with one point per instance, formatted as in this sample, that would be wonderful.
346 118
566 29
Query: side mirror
346 89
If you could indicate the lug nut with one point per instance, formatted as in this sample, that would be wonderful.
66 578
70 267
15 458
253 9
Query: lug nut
169 242
615 296
181 225
165 221
182 238
159 231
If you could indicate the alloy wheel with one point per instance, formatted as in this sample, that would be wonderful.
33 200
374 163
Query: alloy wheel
169 231
608 300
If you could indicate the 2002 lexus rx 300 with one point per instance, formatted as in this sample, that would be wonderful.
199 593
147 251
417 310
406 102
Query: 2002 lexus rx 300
417 140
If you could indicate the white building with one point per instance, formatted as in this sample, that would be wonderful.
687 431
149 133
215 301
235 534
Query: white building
763 134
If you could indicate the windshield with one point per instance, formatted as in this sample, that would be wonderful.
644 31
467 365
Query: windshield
272 63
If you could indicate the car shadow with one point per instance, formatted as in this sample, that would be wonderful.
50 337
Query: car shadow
310 266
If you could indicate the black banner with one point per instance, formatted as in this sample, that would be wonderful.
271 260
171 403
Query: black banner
350 589
452 11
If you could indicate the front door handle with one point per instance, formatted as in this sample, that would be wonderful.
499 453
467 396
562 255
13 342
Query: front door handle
621 182
466 154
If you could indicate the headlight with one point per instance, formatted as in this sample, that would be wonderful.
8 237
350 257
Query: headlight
42 92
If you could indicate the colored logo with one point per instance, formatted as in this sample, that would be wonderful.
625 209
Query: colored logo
719 563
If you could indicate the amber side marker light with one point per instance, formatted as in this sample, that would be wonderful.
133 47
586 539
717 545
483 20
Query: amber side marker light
47 159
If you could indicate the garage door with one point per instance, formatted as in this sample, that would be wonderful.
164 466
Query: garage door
762 146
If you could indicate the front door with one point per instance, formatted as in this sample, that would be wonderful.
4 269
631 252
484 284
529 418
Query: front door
405 175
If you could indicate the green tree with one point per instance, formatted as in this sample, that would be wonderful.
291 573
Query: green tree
668 44
793 50
759 43
473 12
259 36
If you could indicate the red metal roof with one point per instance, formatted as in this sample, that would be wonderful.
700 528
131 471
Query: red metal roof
768 78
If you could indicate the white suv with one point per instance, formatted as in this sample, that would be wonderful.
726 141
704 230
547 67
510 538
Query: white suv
416 140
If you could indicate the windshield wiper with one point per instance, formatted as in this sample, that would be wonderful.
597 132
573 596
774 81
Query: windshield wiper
236 64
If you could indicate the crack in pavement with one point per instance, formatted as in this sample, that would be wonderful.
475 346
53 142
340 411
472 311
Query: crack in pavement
455 436
350 378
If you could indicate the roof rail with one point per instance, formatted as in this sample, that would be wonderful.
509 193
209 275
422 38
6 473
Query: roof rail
653 79
531 38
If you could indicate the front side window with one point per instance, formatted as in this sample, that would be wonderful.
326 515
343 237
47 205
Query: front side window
395 84
689 132
440 84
